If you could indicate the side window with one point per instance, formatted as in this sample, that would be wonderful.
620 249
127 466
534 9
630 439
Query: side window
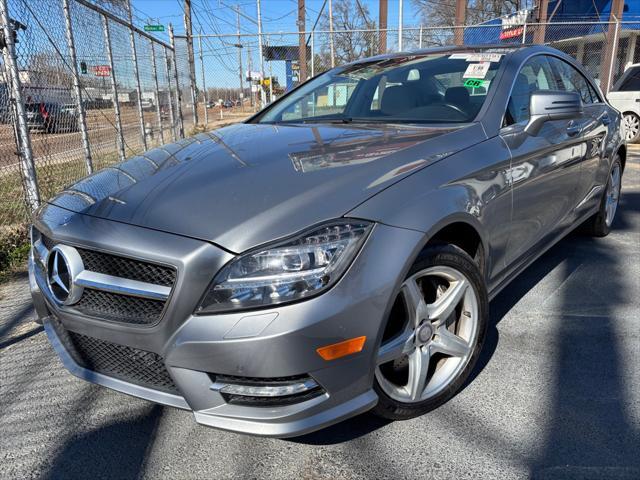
535 74
571 80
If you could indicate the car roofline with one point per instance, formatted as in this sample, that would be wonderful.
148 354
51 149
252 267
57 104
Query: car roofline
512 48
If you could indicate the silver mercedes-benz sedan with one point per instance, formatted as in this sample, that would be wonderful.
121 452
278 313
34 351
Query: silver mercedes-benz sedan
336 252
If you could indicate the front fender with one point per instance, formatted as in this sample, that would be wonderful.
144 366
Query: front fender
472 186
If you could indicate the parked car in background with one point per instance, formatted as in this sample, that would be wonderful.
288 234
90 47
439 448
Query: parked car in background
625 96
52 117
332 254
147 104
228 104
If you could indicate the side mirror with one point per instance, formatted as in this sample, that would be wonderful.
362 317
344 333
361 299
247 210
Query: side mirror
548 105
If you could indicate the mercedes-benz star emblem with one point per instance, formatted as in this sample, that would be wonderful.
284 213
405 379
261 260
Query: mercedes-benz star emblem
64 264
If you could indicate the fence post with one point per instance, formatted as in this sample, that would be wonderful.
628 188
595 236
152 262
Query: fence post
82 118
23 138
114 89
137 75
204 83
524 33
155 80
420 38
175 73
313 54
172 118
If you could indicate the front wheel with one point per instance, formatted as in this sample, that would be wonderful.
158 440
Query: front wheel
434 334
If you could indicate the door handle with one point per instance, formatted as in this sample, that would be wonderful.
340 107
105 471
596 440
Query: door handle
573 130
605 119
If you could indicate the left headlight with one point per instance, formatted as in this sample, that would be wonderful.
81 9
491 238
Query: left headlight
292 270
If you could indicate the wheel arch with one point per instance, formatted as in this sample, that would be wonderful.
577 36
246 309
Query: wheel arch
463 231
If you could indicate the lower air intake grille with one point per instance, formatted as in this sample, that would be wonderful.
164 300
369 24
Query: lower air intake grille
119 308
119 361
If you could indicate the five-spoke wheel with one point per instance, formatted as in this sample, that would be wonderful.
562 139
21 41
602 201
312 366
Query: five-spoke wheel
434 333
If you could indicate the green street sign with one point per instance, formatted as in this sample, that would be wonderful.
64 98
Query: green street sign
154 28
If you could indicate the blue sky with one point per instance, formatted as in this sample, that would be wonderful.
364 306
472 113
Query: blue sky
278 15
218 16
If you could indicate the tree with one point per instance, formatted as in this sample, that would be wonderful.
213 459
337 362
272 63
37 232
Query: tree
349 46
443 13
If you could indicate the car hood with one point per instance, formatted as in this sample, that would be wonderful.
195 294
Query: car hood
248 184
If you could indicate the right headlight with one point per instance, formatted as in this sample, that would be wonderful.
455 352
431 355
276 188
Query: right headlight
295 269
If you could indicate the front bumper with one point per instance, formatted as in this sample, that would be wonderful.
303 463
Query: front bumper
264 344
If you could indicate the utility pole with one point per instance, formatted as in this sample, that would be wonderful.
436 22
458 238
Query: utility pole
400 24
383 8
331 45
192 65
611 45
249 75
541 29
263 102
302 50
461 17
239 45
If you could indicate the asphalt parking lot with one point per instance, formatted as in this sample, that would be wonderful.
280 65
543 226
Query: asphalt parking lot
556 394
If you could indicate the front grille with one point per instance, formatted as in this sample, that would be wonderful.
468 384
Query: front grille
127 268
129 364
119 308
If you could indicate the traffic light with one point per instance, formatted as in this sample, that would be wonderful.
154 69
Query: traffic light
83 68
16 25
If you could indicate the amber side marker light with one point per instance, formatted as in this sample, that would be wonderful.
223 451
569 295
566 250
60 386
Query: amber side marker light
341 349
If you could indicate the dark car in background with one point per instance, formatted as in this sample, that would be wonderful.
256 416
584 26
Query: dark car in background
336 252
52 117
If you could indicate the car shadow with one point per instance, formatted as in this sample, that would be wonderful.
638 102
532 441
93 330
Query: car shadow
561 254
116 450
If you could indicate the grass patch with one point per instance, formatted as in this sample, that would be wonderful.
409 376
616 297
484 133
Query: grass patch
14 249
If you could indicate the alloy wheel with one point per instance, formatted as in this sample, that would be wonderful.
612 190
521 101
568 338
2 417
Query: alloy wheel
612 195
437 338
631 126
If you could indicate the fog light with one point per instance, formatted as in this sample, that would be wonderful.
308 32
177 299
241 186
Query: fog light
279 389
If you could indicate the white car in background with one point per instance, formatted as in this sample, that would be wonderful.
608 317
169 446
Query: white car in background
625 97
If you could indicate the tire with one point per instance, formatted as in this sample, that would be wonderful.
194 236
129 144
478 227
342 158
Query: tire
631 123
469 318
599 225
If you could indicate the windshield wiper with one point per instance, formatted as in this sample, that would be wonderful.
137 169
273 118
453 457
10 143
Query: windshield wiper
327 120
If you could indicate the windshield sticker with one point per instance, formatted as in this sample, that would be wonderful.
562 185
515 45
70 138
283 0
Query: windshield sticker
484 57
477 70
474 83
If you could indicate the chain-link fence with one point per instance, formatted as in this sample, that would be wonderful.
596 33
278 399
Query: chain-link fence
82 88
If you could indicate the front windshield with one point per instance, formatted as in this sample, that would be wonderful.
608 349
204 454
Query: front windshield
433 88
